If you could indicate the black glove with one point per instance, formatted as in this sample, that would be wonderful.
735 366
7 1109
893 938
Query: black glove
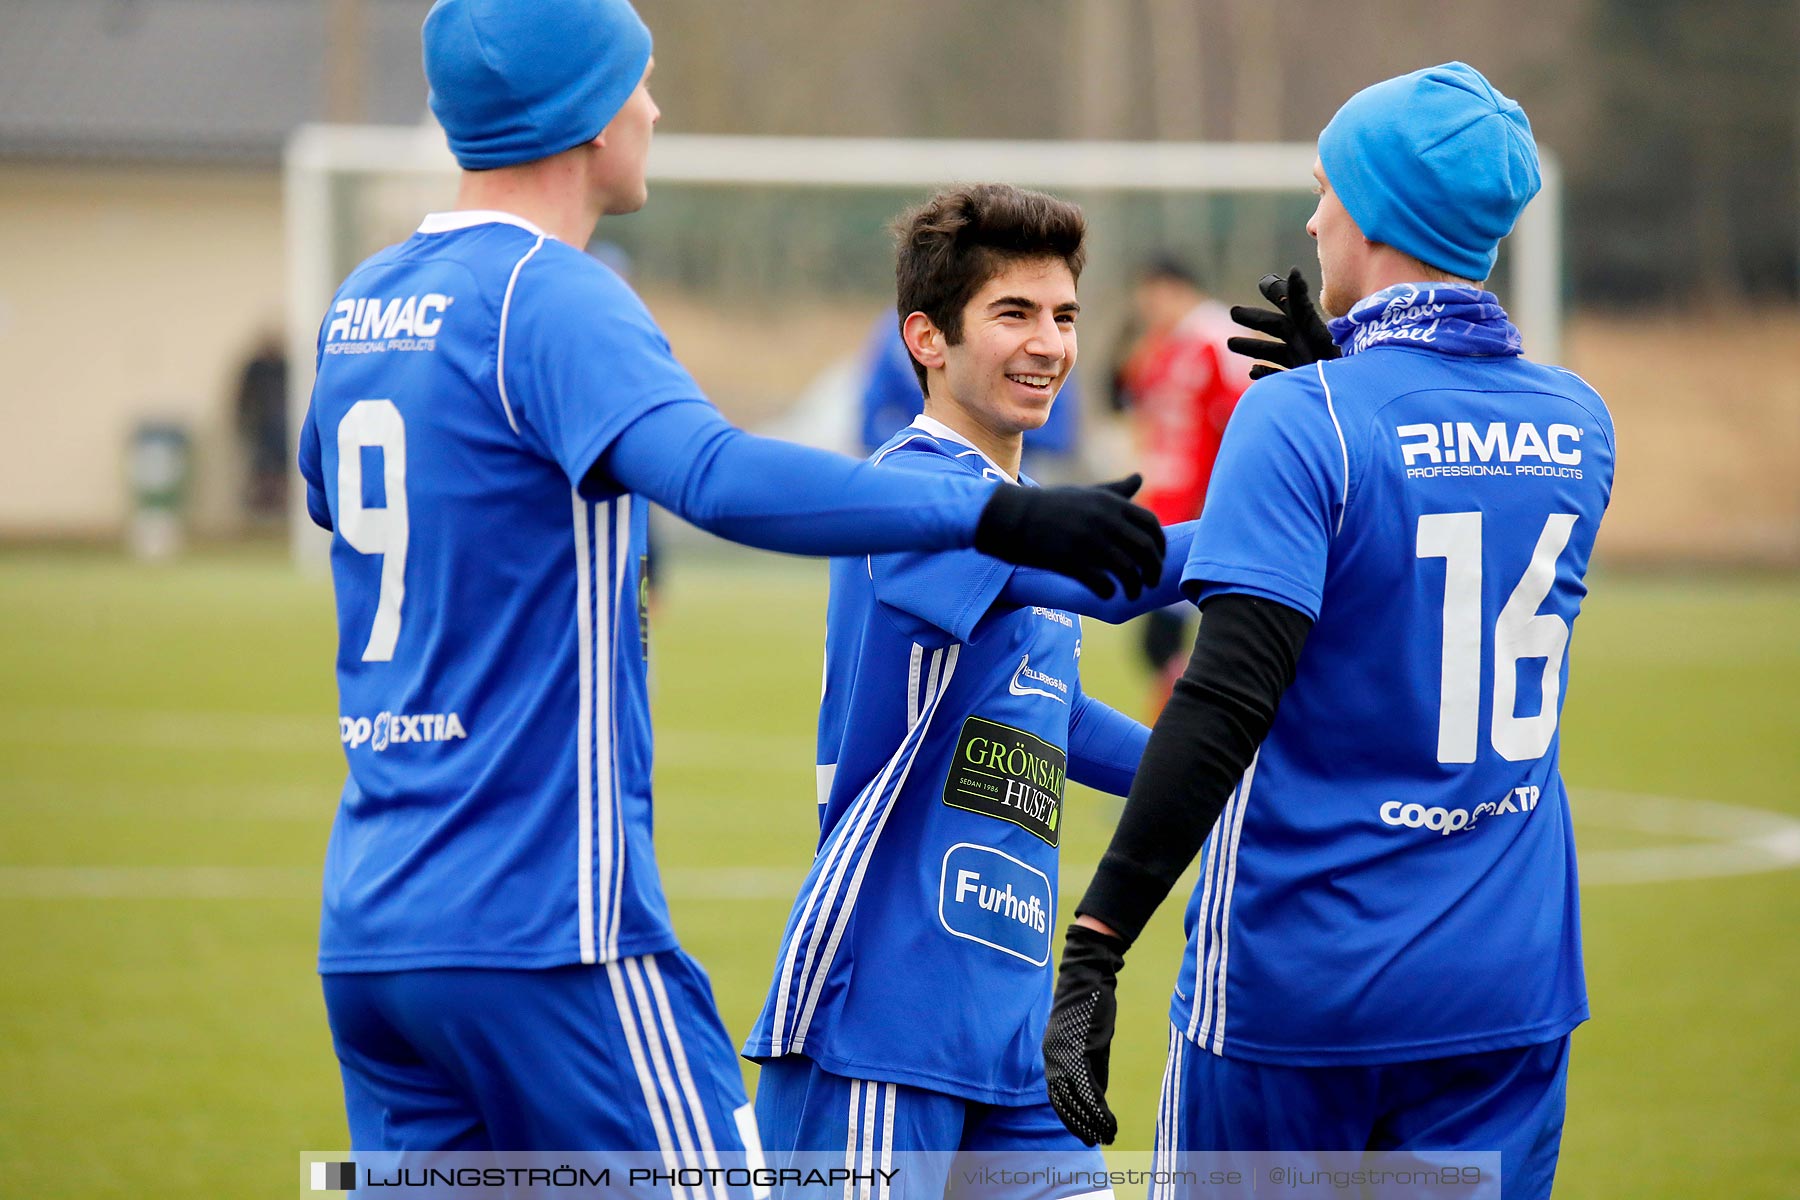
1090 534
1078 1041
1304 337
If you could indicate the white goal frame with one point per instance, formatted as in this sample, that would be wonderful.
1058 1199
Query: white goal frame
319 155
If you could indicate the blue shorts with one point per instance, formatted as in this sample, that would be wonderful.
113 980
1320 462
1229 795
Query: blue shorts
1510 1101
622 1056
940 1142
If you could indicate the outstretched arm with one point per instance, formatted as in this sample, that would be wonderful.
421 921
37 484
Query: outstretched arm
585 377
1105 745
778 496
1032 588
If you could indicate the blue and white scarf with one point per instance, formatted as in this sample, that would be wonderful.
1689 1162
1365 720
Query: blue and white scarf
1454 318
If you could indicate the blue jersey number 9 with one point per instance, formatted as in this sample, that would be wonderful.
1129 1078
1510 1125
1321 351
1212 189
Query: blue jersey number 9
376 423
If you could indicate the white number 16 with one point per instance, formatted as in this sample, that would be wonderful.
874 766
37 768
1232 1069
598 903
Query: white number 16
1520 631
380 531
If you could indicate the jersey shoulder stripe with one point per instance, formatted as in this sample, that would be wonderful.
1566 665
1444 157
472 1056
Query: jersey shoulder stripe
505 314
1343 447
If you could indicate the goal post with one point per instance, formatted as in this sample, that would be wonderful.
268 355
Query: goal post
339 179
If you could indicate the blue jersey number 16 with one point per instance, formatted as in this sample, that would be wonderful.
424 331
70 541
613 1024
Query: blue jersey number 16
1520 631
376 423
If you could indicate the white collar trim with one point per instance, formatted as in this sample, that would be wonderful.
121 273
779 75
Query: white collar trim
447 222
938 429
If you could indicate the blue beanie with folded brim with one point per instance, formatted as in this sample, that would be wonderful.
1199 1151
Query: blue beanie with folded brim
1437 164
513 81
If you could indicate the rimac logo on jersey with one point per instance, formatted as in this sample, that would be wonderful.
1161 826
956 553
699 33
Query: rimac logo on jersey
373 325
392 729
1446 821
990 897
1007 773
1459 448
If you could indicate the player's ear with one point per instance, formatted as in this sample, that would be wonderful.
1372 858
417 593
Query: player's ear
924 340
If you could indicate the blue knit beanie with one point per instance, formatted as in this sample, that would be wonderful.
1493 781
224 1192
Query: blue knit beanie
1436 164
513 81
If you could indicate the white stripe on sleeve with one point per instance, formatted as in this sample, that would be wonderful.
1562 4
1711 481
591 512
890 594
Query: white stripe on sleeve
584 733
505 316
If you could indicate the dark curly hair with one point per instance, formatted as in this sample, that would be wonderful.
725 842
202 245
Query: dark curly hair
950 246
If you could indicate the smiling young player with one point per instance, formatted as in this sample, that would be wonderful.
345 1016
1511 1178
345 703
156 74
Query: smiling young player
913 979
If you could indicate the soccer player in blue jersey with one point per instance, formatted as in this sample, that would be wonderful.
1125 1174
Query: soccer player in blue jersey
493 412
1384 947
913 980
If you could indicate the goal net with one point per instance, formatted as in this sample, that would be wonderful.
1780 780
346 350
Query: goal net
767 259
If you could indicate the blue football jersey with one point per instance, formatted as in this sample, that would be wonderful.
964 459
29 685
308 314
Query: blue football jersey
918 950
1394 878
492 632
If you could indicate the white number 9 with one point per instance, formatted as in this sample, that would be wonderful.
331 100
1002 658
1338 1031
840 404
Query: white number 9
380 531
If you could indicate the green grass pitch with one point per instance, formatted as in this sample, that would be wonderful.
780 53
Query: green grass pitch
168 770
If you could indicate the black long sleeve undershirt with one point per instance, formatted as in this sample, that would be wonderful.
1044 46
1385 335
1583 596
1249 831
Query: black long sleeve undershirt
1244 659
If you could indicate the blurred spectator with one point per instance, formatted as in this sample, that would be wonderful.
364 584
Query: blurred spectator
262 427
891 398
1180 384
